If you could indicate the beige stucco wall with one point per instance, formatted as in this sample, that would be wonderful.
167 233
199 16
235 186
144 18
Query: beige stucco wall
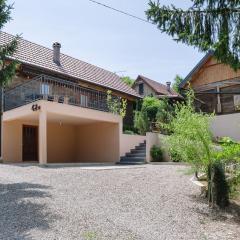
98 142
226 125
72 134
158 140
12 143
129 142
12 140
61 143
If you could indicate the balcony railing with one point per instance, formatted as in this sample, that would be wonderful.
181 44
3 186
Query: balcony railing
56 90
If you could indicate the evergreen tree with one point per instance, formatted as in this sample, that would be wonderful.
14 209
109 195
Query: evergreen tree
7 68
177 81
206 25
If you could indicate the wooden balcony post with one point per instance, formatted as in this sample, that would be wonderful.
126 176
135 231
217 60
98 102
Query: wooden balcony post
42 137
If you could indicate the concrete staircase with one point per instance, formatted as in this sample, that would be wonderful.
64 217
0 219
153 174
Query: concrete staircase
136 156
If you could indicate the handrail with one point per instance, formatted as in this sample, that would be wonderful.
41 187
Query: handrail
57 89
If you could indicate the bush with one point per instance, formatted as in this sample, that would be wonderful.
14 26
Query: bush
141 122
129 132
219 188
156 154
175 157
150 106
164 116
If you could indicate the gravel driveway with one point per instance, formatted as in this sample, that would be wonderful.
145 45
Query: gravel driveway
149 203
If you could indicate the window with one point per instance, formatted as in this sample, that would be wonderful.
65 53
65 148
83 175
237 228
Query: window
84 100
45 90
141 88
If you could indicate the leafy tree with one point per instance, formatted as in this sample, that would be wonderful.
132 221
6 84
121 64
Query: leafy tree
7 69
164 116
206 25
177 81
191 140
150 106
129 81
141 122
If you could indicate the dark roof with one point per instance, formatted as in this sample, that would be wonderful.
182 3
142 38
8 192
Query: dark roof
196 68
38 56
159 88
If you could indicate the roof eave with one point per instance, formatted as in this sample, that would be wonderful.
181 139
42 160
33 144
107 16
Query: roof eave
76 78
196 68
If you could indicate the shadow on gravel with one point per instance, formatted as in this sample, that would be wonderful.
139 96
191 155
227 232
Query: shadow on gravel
230 214
21 210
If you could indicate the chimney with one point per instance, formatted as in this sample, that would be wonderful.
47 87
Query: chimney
56 53
168 86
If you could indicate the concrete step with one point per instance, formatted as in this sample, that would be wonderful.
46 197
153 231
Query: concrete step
141 154
130 163
140 148
142 144
132 159
138 151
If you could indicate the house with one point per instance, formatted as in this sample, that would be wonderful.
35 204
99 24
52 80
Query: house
55 110
216 86
147 87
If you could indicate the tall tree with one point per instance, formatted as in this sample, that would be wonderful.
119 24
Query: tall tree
177 81
206 25
7 68
129 81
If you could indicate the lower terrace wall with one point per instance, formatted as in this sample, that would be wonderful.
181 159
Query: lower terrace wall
226 125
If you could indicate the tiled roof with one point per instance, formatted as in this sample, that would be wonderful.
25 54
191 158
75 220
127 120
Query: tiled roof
42 57
159 88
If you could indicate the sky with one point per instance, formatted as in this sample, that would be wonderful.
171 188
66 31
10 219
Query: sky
103 37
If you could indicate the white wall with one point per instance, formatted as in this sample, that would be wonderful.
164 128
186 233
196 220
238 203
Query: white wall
128 142
226 125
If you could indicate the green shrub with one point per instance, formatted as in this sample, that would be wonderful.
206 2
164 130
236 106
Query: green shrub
219 188
175 157
164 116
156 154
150 106
141 122
129 132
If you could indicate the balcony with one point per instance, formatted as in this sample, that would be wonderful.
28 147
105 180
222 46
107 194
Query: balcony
56 90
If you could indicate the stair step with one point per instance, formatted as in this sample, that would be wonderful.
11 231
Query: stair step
142 144
140 148
131 163
132 159
141 154
138 151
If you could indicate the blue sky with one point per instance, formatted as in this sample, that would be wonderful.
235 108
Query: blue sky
103 37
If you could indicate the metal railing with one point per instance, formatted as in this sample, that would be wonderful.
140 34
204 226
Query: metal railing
56 90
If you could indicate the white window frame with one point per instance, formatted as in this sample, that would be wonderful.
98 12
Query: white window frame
45 89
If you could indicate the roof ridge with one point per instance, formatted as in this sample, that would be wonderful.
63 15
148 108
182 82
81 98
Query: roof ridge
153 80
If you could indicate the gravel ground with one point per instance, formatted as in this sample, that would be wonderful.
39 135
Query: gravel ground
149 203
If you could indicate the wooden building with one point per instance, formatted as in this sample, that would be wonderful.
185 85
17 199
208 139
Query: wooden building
216 86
